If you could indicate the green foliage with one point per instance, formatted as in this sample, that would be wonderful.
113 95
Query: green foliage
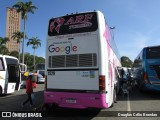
4 50
24 8
14 54
40 60
18 36
126 62
35 42
29 60
3 41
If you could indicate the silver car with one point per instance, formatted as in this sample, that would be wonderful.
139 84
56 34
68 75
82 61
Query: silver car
40 75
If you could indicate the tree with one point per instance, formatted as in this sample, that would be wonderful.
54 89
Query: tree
18 36
126 62
40 60
28 59
14 54
35 42
3 41
24 8
4 50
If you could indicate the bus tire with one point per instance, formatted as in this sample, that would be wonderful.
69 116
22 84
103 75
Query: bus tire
0 90
45 107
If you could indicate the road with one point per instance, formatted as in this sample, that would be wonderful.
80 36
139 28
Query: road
136 104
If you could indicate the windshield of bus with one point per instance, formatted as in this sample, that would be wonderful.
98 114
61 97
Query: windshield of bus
40 67
153 52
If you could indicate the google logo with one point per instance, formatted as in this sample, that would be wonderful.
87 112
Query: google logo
67 49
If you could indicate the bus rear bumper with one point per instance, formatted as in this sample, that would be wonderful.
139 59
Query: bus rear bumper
75 100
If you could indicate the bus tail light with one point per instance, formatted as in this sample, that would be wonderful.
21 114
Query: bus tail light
101 82
146 78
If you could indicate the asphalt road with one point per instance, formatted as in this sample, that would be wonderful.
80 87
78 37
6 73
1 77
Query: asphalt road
134 106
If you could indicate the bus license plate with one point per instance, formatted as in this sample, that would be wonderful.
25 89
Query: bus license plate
71 101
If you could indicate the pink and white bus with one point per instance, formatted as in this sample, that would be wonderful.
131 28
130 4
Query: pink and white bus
81 62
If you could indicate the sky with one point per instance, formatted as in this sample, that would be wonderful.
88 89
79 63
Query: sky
136 22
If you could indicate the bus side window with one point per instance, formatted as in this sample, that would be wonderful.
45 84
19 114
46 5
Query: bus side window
1 64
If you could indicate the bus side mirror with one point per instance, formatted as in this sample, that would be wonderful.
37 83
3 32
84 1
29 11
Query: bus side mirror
22 67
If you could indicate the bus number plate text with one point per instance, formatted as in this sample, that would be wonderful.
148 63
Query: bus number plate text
51 72
71 101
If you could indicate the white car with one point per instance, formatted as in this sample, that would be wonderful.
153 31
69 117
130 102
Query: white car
40 75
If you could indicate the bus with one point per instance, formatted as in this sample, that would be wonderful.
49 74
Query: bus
146 69
40 66
10 74
81 62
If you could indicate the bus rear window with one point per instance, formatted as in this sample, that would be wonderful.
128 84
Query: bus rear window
77 23
153 52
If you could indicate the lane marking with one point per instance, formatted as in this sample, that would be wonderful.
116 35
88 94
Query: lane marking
128 103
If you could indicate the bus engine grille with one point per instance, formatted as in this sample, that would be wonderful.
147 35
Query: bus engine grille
77 60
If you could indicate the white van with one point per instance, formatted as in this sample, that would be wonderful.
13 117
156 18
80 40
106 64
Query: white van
10 74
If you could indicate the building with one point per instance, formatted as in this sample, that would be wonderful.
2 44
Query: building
13 22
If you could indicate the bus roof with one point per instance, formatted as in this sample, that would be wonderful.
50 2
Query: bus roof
152 46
